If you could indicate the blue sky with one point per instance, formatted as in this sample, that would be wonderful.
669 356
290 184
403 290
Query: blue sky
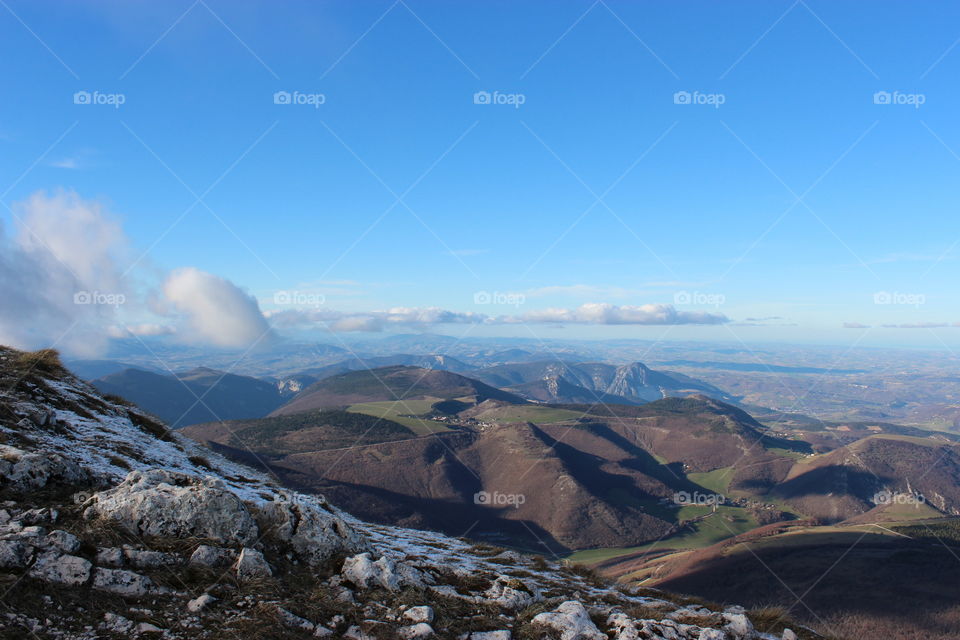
799 198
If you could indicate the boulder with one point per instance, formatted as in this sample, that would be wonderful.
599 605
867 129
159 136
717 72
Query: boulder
14 554
24 471
175 505
419 614
738 624
200 603
512 593
571 621
310 527
365 573
123 583
59 568
251 565
65 542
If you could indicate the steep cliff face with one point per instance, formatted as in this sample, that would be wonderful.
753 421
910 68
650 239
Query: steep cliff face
111 526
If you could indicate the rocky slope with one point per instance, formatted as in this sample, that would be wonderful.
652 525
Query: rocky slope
111 526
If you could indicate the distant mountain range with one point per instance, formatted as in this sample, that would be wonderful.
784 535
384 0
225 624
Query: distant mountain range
566 382
203 394
445 363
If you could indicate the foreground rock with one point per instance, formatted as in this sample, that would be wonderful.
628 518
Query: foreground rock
161 503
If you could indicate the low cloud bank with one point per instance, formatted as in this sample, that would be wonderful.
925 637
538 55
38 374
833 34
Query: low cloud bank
591 313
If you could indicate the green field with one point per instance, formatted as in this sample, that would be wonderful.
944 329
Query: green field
725 523
529 413
403 412
717 480
592 556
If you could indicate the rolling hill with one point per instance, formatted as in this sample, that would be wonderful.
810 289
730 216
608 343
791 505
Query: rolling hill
390 384
579 475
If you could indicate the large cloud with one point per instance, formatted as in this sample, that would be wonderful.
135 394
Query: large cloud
216 310
60 280
63 283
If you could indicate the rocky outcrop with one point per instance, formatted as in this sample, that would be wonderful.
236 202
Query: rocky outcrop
310 527
365 573
22 471
165 504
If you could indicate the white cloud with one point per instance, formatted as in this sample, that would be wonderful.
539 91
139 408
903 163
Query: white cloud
63 284
606 313
593 313
371 320
60 279
216 310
